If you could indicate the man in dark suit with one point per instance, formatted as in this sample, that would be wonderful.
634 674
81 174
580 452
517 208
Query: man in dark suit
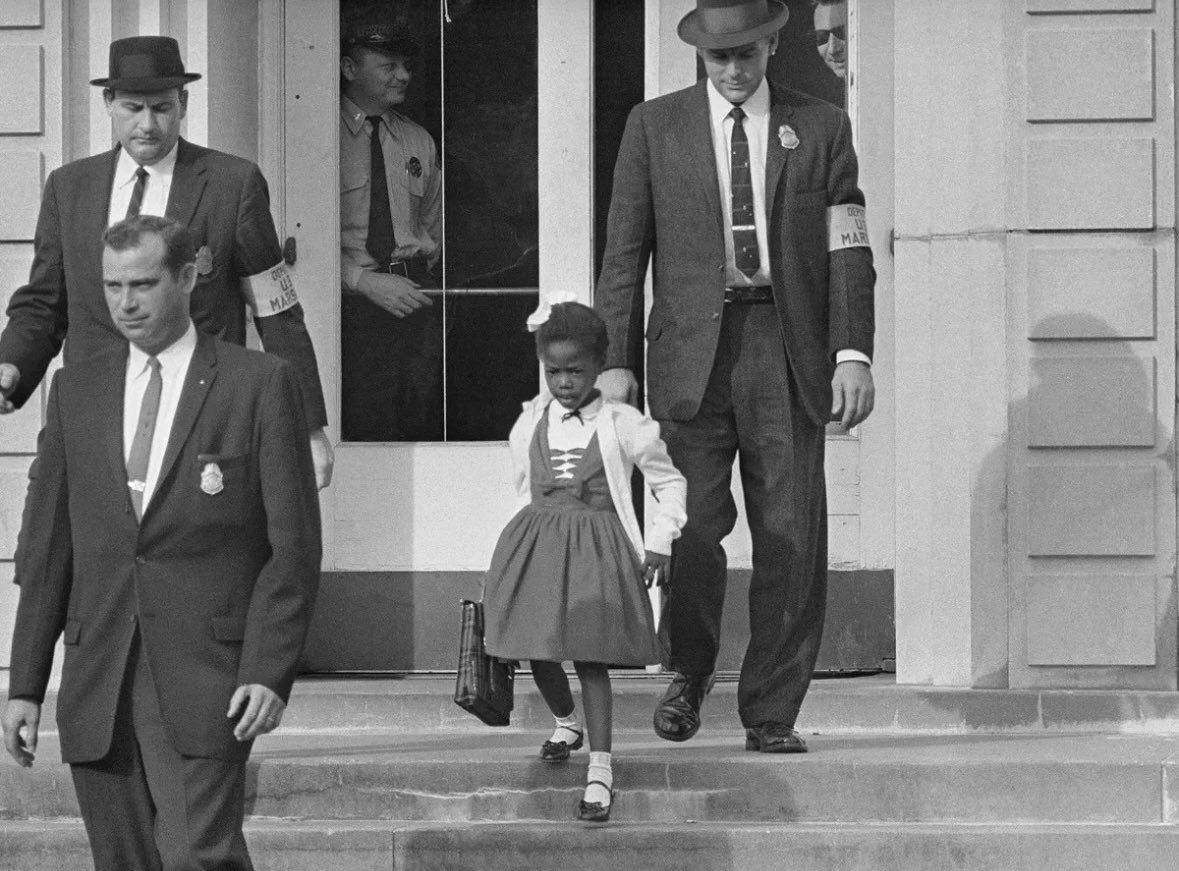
223 200
180 567
760 331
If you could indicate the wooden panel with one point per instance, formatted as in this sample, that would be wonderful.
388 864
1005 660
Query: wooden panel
843 542
14 481
22 78
1090 184
842 472
21 13
1092 402
1091 620
1048 6
18 432
9 596
1091 74
1084 510
1067 6
20 179
1091 293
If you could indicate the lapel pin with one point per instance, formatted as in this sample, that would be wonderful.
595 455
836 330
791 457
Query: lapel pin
414 167
788 137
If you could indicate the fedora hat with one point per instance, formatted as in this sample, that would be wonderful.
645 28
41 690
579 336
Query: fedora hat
730 23
145 64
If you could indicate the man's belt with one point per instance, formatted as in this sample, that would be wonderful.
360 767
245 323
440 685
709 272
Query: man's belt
749 295
410 268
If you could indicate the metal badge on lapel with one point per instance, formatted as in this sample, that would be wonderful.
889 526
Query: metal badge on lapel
204 260
788 137
211 479
414 166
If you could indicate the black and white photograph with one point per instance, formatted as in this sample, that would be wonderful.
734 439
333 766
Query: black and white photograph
589 435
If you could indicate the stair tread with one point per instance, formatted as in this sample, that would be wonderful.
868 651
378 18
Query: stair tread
511 747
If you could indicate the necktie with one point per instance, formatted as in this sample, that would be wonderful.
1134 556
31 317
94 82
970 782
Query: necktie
137 193
569 415
744 230
144 431
380 243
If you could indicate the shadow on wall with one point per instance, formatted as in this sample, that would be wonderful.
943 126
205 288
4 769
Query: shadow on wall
1088 390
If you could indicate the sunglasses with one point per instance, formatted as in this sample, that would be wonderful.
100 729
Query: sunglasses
821 36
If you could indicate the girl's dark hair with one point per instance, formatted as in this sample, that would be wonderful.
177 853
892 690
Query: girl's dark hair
573 322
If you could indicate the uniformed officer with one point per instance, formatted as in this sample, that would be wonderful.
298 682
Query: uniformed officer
390 240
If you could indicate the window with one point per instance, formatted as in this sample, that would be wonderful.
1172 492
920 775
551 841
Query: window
465 220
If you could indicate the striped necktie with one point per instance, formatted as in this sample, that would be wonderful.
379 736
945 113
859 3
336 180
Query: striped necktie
145 430
745 251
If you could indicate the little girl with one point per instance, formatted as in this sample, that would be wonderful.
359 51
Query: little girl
567 578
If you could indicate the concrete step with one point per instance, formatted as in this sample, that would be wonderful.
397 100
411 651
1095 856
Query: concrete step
846 706
496 776
274 844
318 845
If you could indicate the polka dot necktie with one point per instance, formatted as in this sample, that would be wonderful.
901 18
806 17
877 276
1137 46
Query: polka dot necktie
745 251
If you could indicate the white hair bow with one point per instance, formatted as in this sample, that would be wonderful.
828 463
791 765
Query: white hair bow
541 315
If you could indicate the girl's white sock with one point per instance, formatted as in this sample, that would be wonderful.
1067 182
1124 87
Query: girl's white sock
599 770
567 729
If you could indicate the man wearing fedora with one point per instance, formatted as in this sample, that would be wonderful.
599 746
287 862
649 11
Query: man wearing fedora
223 200
390 242
745 196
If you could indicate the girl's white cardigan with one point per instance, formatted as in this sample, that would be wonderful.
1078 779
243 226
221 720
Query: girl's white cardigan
627 438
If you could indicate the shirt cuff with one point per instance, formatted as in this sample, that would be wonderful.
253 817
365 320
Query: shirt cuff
847 355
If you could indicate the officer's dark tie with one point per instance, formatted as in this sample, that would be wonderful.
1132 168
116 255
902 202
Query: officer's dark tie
137 193
381 242
741 180
145 430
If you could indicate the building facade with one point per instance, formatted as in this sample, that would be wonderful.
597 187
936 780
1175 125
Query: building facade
1010 506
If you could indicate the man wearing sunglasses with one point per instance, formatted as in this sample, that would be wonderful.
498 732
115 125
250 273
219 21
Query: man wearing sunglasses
830 19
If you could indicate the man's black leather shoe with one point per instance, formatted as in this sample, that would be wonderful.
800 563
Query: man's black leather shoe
677 718
774 738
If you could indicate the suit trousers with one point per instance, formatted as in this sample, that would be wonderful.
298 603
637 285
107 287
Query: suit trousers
146 807
751 412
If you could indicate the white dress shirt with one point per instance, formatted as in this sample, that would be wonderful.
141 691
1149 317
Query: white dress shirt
757 131
174 362
155 191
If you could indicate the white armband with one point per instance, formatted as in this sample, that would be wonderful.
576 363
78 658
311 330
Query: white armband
847 227
270 292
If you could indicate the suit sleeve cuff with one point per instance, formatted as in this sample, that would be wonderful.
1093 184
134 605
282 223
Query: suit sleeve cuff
849 356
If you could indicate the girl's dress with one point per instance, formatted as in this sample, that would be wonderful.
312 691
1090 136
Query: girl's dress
564 581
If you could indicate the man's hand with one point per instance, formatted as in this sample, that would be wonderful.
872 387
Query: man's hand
655 569
260 711
21 721
396 294
9 378
619 385
853 393
323 457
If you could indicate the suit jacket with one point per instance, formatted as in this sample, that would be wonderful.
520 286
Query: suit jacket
224 202
666 206
220 585
626 438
